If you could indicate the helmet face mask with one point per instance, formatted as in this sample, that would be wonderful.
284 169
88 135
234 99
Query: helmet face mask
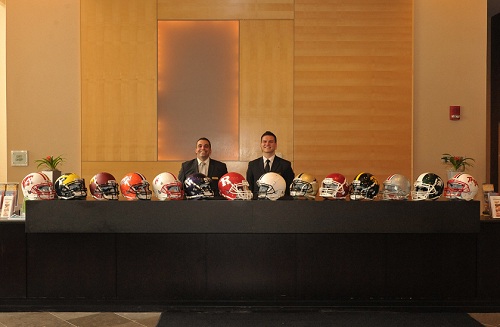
103 186
37 186
167 187
396 187
364 187
272 186
197 187
461 187
304 186
134 186
70 186
233 186
428 186
335 187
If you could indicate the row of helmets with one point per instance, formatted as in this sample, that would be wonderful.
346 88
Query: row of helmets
133 186
365 186
233 186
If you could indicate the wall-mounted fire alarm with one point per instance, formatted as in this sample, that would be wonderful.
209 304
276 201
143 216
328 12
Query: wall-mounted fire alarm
454 112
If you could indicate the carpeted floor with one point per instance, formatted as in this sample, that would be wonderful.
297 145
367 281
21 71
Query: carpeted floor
243 318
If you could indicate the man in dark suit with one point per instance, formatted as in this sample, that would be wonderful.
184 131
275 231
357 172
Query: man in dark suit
257 167
204 164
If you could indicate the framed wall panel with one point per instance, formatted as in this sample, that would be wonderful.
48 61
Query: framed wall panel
198 88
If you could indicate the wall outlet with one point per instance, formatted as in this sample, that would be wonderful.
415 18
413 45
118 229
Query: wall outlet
19 157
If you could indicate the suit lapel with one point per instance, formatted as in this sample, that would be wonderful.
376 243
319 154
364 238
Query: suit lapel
195 166
276 164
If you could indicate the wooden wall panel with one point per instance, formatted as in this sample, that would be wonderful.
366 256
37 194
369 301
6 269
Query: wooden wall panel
332 78
353 87
225 9
118 56
266 85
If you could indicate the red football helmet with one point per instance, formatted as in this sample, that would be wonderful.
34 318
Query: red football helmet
234 186
334 186
134 186
103 186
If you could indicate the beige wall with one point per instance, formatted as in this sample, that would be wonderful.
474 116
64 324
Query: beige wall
449 69
3 104
43 82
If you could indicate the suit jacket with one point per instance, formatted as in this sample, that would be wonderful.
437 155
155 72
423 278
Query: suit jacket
216 169
280 166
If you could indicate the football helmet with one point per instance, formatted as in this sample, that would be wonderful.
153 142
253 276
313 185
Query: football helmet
396 187
428 186
70 186
37 186
103 186
461 187
334 186
234 186
364 187
197 187
134 186
167 187
304 185
272 186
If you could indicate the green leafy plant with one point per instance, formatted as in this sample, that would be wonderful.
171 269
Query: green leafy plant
458 163
50 162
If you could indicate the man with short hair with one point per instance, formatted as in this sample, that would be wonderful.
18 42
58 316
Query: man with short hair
204 164
269 162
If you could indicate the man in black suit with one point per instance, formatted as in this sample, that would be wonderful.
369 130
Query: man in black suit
257 167
204 164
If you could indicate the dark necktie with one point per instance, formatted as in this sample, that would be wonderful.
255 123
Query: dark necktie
268 166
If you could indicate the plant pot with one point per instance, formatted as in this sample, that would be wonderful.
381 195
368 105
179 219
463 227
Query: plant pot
53 175
451 173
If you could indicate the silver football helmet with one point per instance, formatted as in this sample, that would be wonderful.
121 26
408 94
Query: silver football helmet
396 187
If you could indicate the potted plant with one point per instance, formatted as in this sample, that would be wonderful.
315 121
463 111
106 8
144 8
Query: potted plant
456 163
49 166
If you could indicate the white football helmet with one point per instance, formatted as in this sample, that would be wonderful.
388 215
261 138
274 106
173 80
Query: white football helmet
461 187
272 186
233 186
428 186
335 186
167 187
396 187
37 186
304 186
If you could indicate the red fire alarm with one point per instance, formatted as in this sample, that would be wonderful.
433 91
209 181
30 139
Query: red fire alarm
454 112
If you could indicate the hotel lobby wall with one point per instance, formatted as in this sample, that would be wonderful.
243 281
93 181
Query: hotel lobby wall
46 80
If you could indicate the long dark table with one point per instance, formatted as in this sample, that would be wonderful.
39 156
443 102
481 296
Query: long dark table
282 252
220 216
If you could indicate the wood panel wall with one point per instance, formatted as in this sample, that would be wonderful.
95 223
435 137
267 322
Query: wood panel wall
333 80
353 87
